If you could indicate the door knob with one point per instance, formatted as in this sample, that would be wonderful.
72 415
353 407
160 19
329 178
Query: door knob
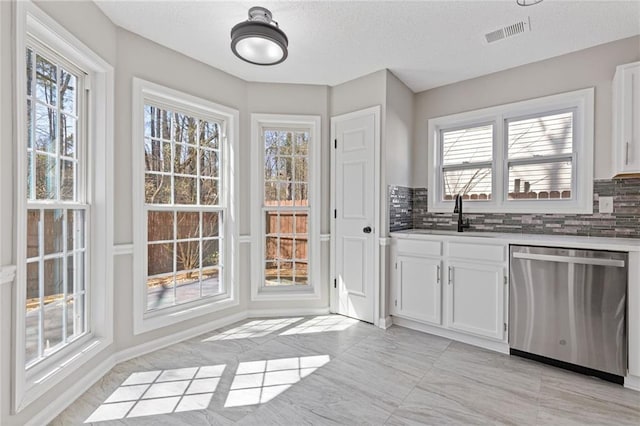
366 229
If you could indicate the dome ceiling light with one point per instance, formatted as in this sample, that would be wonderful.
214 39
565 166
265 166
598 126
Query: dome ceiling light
259 40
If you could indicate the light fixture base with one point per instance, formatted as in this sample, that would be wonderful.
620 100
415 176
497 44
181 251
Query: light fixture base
259 40
260 14
528 2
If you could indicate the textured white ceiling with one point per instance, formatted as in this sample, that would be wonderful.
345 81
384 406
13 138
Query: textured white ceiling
425 43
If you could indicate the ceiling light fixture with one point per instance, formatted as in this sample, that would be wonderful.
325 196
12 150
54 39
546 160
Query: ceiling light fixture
527 2
259 40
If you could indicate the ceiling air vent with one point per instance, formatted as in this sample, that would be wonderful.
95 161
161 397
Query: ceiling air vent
509 31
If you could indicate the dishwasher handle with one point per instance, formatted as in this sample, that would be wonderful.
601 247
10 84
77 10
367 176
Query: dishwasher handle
569 259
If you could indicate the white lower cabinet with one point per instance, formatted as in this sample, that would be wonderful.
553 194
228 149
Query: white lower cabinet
418 289
457 286
476 298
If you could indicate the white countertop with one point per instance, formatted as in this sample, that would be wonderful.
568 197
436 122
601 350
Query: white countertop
599 243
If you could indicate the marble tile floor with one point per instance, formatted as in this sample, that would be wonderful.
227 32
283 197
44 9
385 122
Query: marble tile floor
332 370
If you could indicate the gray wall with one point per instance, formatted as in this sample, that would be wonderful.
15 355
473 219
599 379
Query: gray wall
292 99
139 57
131 56
593 67
403 122
364 92
88 24
398 138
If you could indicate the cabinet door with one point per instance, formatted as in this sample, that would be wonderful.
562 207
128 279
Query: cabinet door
627 118
476 298
418 289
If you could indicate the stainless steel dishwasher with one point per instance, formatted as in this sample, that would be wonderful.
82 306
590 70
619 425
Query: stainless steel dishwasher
569 307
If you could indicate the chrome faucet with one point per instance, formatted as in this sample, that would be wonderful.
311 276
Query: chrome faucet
458 209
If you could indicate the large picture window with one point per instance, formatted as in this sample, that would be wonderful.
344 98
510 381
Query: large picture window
183 165
57 208
286 215
533 156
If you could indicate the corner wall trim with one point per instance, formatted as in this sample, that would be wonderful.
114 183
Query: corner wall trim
122 249
632 382
163 342
385 323
7 274
256 313
46 416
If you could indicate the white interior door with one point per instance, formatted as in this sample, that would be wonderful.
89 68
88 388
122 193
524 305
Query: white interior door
354 216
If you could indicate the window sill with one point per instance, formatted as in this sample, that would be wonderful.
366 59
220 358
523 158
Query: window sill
42 377
165 317
515 207
284 294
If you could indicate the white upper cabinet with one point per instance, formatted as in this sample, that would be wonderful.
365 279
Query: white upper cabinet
626 119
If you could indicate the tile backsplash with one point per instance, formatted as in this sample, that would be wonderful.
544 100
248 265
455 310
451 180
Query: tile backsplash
408 209
400 208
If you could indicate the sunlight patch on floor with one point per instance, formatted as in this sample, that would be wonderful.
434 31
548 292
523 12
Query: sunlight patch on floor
257 328
149 393
321 324
257 382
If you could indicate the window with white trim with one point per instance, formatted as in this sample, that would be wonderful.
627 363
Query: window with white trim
286 161
63 298
184 220
467 161
286 206
533 156
56 202
183 205
540 153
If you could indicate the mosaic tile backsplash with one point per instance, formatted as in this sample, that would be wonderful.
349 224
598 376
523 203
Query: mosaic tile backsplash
408 209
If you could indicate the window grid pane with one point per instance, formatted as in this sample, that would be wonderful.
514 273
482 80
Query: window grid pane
56 254
533 140
540 181
540 136
183 163
184 256
56 277
472 184
286 206
462 149
468 145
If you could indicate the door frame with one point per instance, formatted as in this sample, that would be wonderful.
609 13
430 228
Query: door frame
333 294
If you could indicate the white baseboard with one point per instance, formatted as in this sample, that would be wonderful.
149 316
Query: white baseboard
163 342
72 393
632 382
385 323
81 386
295 312
492 345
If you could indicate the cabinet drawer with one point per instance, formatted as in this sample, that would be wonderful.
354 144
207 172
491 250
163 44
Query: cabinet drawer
490 252
420 248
